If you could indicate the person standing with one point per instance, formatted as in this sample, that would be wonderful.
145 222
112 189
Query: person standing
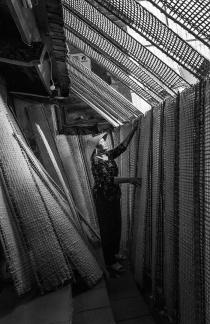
107 193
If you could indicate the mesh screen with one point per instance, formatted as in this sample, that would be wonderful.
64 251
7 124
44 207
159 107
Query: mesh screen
133 162
157 212
171 219
186 208
126 43
172 247
111 67
124 172
192 15
146 24
113 53
143 246
127 165
206 200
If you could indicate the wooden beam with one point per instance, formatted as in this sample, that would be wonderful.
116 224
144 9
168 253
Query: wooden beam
24 20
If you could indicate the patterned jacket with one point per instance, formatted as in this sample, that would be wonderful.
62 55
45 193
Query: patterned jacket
104 169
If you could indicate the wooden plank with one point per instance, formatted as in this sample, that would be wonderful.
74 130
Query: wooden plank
16 62
44 71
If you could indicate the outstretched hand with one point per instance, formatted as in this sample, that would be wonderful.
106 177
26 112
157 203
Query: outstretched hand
136 181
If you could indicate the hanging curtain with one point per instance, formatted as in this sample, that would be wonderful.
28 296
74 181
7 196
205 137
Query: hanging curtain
171 221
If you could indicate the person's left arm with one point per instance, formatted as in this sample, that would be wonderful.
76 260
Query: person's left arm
134 181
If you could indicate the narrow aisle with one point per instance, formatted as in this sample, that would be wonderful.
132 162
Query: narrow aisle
116 301
127 304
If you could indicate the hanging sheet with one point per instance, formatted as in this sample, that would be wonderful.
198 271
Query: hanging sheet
171 218
171 257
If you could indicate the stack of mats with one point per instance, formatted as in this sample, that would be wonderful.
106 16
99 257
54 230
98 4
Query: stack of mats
72 157
39 236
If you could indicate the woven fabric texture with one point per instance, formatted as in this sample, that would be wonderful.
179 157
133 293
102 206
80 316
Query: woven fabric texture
150 27
206 202
110 67
171 235
46 232
113 53
186 208
143 246
128 45
113 103
192 15
72 155
157 211
171 219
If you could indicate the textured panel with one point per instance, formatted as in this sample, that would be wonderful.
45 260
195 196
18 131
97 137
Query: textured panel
124 172
98 87
186 209
157 212
114 54
133 166
206 182
193 15
171 219
14 246
143 244
121 39
48 233
127 43
110 67
156 32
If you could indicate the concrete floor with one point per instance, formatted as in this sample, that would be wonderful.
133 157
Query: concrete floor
116 302
53 308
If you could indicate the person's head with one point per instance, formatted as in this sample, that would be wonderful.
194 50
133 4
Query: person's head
102 144
98 142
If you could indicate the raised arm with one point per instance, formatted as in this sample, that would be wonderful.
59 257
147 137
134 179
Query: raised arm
127 140
123 146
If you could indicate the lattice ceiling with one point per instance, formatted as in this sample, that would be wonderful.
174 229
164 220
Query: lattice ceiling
158 34
193 15
90 29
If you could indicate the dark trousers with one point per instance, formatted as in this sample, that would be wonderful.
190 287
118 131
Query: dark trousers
109 218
